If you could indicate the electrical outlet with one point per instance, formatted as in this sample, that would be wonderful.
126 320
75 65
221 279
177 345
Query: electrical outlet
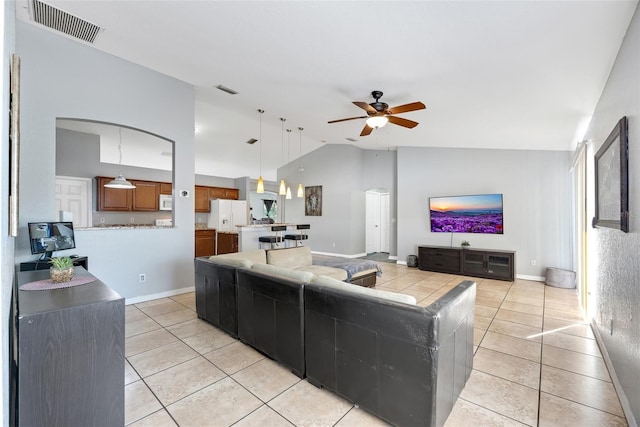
133 220
142 278
534 262
101 220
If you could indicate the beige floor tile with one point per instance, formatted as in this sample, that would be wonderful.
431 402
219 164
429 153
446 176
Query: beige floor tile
488 302
182 298
490 294
147 341
134 314
578 329
581 389
218 405
503 397
161 358
162 308
417 293
157 419
522 308
529 300
517 330
191 305
558 412
234 357
266 379
358 417
130 374
181 380
467 414
573 316
507 367
478 334
306 405
152 302
580 363
518 317
191 327
140 327
262 417
482 310
428 284
208 341
175 317
481 322
571 342
525 349
138 402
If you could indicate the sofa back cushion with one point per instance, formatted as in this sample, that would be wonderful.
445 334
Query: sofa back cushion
295 275
258 256
290 257
355 289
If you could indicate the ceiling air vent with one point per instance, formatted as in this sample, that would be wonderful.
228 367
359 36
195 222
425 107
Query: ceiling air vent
64 22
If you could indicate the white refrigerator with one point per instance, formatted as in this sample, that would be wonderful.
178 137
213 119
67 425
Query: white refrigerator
226 214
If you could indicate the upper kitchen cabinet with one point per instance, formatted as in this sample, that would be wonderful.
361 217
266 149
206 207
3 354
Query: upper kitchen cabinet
112 199
204 194
165 188
145 196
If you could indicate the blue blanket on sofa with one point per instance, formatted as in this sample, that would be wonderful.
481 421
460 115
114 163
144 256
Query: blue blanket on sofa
350 265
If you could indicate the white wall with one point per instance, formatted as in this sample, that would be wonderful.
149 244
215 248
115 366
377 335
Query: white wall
536 188
614 256
64 78
7 44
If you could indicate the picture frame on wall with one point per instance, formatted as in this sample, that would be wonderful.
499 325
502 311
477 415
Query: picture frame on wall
313 201
612 180
14 144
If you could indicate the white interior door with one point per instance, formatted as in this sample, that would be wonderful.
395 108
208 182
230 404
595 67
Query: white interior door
372 222
74 195
384 222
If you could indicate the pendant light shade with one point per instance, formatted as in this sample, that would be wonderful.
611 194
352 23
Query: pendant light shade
301 168
300 190
283 187
120 182
260 187
288 197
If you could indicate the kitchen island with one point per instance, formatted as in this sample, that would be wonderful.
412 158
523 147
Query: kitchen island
248 235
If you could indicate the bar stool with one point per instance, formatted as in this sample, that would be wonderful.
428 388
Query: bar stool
274 239
302 235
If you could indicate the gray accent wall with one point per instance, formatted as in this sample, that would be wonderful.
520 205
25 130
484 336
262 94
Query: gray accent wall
614 256
63 78
537 197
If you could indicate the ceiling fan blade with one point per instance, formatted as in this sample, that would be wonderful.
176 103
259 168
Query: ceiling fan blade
406 108
366 107
402 122
366 130
350 118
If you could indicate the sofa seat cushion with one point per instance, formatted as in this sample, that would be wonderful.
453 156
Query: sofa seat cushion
320 270
274 270
231 262
364 273
390 296
290 257
258 256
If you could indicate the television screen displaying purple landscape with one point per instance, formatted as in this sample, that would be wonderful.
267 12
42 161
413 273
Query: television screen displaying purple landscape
467 214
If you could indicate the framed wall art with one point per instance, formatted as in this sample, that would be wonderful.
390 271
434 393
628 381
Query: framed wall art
313 201
612 180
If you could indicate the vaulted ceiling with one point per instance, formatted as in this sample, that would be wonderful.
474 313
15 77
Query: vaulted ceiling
493 74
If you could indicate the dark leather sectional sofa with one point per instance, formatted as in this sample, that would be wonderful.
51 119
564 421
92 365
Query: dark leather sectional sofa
403 363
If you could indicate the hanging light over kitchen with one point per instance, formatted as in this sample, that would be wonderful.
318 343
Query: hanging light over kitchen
260 187
288 159
120 182
283 186
301 168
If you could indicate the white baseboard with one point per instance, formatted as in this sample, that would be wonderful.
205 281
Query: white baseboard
394 257
401 262
624 402
527 277
144 298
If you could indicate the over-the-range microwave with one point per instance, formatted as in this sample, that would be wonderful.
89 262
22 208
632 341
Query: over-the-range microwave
166 202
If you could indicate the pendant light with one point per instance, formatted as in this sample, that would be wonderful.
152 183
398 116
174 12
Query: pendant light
120 182
283 186
288 159
301 168
260 187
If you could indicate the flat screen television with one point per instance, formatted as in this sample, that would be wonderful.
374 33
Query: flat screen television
480 213
47 237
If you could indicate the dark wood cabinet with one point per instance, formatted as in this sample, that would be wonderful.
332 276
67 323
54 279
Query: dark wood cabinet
223 193
112 199
202 199
69 354
490 264
227 243
166 188
146 196
205 242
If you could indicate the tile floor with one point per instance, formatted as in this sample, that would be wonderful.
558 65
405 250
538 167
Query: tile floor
535 364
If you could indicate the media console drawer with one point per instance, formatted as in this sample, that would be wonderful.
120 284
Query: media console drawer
444 260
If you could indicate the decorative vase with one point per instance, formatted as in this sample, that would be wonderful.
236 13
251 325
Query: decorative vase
61 275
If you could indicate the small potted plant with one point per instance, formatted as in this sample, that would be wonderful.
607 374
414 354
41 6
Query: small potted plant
61 269
465 244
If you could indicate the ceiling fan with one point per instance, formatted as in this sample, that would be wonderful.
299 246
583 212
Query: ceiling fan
379 113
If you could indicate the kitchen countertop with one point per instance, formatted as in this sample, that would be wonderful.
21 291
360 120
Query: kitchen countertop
124 227
265 225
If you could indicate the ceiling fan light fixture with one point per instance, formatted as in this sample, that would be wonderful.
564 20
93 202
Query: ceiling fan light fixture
119 182
377 121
